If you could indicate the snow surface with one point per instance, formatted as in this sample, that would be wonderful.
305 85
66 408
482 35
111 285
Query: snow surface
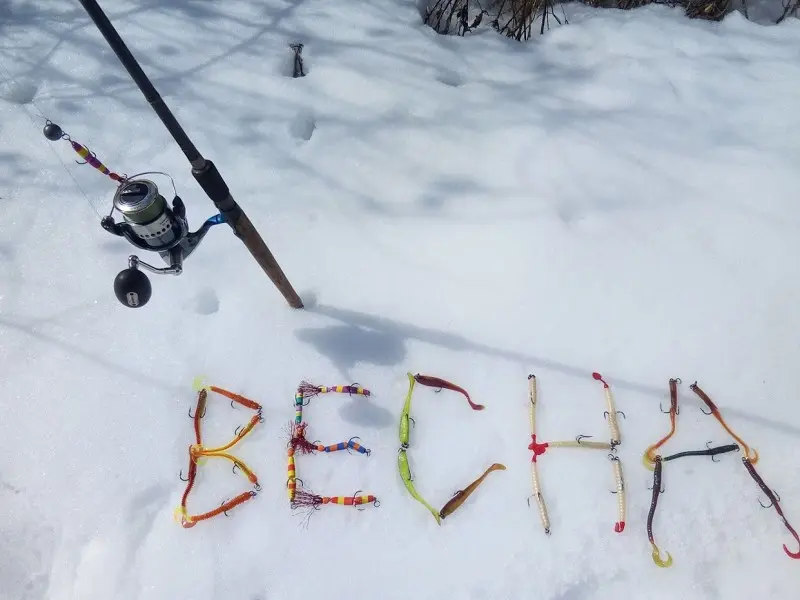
617 195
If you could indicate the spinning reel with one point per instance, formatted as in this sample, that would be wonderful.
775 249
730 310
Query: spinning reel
148 223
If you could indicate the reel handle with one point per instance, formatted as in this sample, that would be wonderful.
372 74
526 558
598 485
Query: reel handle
131 286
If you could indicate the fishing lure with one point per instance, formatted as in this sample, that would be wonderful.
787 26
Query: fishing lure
656 492
299 444
197 452
439 383
712 452
54 133
461 495
750 455
775 502
537 488
404 436
538 448
611 412
616 463
650 453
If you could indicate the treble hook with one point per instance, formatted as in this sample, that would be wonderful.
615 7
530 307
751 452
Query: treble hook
357 506
191 416
92 154
713 457
619 412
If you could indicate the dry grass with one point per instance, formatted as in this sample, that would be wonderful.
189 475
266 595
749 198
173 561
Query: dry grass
518 19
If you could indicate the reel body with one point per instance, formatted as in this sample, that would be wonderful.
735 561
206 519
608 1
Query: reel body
149 223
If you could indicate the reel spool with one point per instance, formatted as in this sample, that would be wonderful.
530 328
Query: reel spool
149 223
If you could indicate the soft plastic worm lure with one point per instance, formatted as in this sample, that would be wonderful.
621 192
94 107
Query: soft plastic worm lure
197 452
619 526
656 492
650 453
537 490
775 502
712 452
750 455
611 412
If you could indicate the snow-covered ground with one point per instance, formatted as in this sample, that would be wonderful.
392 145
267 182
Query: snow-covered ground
618 195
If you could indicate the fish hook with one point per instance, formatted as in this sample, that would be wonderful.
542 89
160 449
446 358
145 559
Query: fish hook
83 162
710 412
257 487
180 476
412 421
235 465
713 458
661 491
357 506
191 416
224 512
236 431
666 412
578 438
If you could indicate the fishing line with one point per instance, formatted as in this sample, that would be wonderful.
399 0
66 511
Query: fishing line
10 78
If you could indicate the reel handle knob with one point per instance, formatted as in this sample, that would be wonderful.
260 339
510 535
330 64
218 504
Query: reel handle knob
132 287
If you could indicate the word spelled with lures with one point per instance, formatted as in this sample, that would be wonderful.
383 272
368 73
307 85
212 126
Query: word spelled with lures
302 497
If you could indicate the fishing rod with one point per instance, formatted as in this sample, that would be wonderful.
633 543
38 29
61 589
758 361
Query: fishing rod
148 222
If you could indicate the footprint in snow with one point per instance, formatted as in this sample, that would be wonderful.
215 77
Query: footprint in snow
450 78
20 91
302 126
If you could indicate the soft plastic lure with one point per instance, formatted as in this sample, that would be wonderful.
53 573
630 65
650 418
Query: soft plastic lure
656 492
404 434
537 488
461 495
197 452
650 454
709 451
750 455
748 464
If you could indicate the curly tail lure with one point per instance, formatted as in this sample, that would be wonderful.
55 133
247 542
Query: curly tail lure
653 503
404 433
299 444
775 502
198 451
538 448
